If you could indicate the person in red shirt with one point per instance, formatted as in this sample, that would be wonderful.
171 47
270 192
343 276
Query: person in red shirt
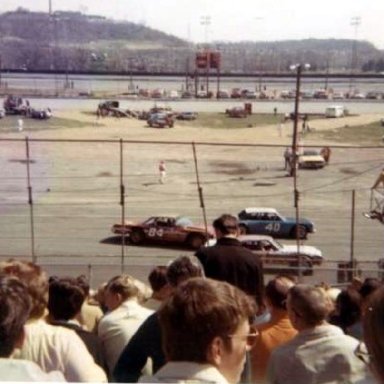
162 171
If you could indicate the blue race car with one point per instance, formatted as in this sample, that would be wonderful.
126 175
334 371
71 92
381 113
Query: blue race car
267 221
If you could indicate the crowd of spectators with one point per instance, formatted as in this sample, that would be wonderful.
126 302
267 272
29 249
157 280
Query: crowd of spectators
203 318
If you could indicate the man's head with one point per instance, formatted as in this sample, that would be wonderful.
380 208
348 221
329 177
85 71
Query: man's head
158 281
368 286
119 289
307 306
207 321
276 292
36 281
15 305
183 268
83 282
226 225
66 297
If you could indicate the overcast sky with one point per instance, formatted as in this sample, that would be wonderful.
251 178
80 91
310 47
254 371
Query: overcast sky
235 20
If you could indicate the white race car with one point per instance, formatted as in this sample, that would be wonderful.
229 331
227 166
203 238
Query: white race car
273 252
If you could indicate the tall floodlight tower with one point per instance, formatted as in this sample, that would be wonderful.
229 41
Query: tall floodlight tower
206 22
355 22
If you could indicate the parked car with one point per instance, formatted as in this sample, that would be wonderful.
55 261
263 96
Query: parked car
160 120
267 221
222 94
250 94
173 94
41 114
157 93
165 229
202 94
358 96
236 112
236 93
186 116
335 111
320 94
14 105
311 159
287 94
187 95
338 96
376 95
305 95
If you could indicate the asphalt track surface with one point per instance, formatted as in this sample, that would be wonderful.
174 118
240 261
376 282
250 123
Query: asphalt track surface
76 196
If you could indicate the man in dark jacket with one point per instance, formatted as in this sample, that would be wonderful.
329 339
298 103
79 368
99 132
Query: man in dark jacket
229 261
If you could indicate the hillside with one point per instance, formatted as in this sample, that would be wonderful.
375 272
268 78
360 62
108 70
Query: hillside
72 41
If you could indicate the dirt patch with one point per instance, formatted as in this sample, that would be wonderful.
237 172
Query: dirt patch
105 174
232 168
22 161
349 171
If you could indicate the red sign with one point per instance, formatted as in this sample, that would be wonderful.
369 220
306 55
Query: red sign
214 60
202 60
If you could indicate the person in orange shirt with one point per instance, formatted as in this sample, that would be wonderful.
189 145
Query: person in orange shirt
276 331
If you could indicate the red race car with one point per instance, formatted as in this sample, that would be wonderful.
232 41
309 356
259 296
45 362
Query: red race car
165 229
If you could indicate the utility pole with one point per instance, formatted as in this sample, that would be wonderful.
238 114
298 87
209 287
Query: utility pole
294 161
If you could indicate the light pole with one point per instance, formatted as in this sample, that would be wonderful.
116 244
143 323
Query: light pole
355 22
206 22
294 159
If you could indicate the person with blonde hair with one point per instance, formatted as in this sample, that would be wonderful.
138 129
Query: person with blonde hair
126 314
146 343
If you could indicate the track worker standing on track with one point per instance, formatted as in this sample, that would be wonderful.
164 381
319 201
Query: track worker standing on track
229 261
162 172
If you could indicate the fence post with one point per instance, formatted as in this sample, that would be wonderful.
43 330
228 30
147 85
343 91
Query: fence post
30 201
122 203
200 190
90 275
352 254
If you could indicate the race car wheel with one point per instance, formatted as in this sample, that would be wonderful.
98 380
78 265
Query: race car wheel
302 231
195 241
243 230
136 236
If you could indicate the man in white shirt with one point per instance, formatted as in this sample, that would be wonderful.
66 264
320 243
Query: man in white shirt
125 316
15 306
320 352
